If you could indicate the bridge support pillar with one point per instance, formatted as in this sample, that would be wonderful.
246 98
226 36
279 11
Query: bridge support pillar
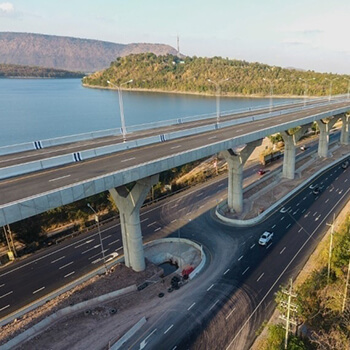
323 143
290 141
129 203
344 136
235 162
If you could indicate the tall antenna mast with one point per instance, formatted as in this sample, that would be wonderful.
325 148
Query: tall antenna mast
178 45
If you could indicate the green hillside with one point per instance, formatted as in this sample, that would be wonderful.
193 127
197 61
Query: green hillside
191 74
17 71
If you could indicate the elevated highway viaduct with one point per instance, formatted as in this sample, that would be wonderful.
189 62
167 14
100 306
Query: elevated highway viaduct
33 193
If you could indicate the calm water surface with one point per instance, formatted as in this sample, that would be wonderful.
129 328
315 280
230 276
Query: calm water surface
37 109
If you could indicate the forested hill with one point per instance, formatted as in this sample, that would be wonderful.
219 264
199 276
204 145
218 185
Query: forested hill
191 74
17 71
74 54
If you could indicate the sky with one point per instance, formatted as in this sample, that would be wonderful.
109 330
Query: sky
306 34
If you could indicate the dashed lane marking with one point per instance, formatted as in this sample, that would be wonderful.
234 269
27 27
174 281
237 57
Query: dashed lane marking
282 250
240 258
213 305
5 295
226 271
168 329
230 313
210 287
245 270
260 277
58 259
191 306
69 274
38 290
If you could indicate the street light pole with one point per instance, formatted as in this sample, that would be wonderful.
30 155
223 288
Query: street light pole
271 91
218 91
121 106
99 234
348 95
330 88
306 87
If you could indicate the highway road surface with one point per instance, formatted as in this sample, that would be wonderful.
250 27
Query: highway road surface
227 304
20 187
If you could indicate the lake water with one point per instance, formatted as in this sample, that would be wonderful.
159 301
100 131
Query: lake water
38 109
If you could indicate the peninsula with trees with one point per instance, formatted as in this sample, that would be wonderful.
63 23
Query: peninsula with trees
202 75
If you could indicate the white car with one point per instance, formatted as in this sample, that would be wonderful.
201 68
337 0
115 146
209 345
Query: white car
265 238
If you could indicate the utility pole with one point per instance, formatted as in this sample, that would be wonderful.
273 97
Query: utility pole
330 248
178 46
9 240
290 308
346 288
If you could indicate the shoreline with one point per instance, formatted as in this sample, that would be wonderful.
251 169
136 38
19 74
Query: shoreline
195 93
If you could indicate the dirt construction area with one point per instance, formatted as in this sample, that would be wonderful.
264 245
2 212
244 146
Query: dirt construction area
100 326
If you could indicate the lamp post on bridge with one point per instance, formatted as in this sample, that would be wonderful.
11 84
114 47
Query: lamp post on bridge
306 86
330 87
99 234
121 106
218 91
348 94
270 81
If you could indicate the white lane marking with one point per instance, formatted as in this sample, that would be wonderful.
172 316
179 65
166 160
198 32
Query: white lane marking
99 253
252 246
304 210
174 206
144 220
304 198
157 229
94 247
239 130
86 242
300 229
152 223
307 214
5 295
260 277
298 204
106 237
240 258
191 306
119 248
295 211
172 221
274 226
59 178
326 201
168 329
213 305
69 274
1 285
269 246
283 272
230 313
337 178
143 343
202 206
58 259
38 290
282 250
288 226
220 185
226 271
5 307
210 287
318 217
212 137
199 194
117 240
345 180
245 270
178 146
127 160
62 267
315 213
282 218
96 261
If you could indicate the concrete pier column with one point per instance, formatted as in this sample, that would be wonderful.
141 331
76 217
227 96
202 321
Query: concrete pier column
290 141
235 161
323 142
344 136
129 203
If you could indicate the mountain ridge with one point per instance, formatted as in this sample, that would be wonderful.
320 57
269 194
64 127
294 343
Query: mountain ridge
68 53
